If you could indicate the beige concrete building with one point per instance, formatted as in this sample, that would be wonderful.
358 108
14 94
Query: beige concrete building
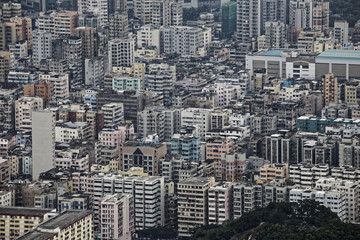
60 83
220 203
23 111
118 25
58 23
10 10
351 190
268 172
193 204
18 221
88 41
330 88
4 65
23 27
7 35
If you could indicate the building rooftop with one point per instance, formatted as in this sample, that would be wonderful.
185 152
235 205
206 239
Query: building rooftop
340 55
63 220
36 235
199 181
274 53
22 211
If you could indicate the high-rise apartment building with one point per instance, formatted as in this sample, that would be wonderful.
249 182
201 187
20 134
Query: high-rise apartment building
220 203
118 25
272 11
7 35
24 108
23 27
60 84
9 10
69 48
184 40
275 35
161 78
16 221
228 18
148 194
43 142
186 145
197 117
58 23
42 89
116 215
94 71
88 41
4 65
99 8
113 114
301 14
121 52
42 46
341 31
190 215
79 224
329 88
321 15
248 20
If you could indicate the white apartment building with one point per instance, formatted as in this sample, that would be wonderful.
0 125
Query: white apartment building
197 117
341 31
225 93
248 20
160 77
66 132
60 82
121 52
306 174
351 191
113 114
149 36
275 35
58 23
42 46
6 199
148 193
220 203
159 12
72 159
292 93
190 215
151 121
94 71
98 8
301 14
185 40
24 108
334 200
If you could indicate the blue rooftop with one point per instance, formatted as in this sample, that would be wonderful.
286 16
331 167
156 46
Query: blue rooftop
273 53
340 54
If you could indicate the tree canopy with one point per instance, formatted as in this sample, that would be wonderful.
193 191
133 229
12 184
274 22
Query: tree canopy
283 221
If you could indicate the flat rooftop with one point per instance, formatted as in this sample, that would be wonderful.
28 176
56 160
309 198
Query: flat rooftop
21 211
64 219
340 55
36 235
273 53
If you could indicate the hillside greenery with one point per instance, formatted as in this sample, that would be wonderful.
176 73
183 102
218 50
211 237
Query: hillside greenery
283 221
345 10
